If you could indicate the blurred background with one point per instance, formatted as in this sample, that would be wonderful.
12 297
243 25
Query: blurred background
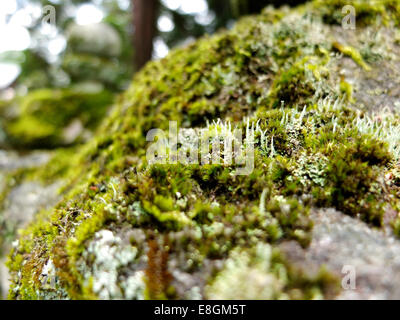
63 61
103 41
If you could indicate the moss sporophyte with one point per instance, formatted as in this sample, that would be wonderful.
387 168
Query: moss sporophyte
194 146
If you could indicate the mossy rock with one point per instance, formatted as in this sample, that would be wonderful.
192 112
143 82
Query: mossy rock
49 118
129 229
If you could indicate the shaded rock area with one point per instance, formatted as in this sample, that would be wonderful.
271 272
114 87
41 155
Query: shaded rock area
27 199
377 88
338 241
22 201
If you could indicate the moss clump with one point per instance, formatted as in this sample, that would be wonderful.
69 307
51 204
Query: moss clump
47 118
88 67
295 85
352 53
310 150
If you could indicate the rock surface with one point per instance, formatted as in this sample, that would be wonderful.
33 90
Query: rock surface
339 241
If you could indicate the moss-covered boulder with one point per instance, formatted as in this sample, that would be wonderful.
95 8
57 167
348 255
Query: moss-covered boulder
320 102
49 118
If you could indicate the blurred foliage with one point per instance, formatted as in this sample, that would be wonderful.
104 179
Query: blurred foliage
85 58
223 13
48 118
76 64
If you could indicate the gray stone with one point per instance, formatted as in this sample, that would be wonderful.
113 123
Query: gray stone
339 240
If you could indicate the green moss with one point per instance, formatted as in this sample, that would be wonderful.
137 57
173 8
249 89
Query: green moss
276 278
352 53
296 85
353 178
347 90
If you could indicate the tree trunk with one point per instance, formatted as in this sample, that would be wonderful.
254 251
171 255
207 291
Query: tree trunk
144 20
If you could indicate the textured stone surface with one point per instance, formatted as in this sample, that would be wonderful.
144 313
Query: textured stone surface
24 200
27 199
340 240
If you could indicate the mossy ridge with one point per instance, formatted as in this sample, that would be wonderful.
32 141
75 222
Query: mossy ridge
271 204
